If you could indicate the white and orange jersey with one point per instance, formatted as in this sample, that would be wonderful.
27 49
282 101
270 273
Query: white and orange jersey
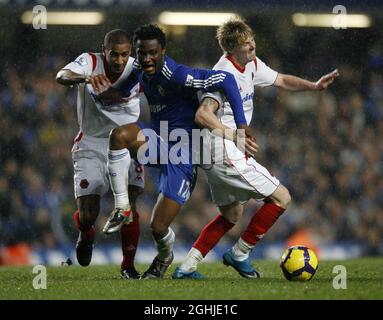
94 118
255 73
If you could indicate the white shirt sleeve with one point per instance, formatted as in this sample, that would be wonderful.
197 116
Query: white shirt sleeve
82 65
264 75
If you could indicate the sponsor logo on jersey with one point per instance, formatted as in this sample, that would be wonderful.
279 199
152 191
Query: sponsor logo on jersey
157 107
248 97
161 91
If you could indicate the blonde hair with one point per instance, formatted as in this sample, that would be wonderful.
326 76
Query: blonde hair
232 33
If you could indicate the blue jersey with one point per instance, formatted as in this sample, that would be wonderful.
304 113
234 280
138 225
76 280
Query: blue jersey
172 98
172 93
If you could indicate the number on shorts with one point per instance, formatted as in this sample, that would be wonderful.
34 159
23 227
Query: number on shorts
184 189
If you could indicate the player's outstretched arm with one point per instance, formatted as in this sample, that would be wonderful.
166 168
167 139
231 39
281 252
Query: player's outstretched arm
99 82
68 78
326 80
293 83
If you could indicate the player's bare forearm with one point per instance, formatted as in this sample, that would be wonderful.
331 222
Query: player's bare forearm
67 77
99 82
293 83
206 118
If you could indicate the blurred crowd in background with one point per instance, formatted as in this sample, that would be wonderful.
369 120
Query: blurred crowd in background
326 148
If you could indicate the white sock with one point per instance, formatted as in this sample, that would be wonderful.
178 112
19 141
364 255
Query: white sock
118 166
241 250
165 245
192 259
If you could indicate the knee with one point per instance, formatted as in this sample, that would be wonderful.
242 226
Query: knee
232 214
233 217
119 138
285 199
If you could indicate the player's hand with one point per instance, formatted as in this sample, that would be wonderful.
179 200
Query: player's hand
326 80
99 82
112 96
246 141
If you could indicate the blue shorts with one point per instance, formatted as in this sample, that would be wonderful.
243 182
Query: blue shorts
177 181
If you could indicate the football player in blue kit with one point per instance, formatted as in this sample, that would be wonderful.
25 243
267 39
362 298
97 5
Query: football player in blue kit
171 92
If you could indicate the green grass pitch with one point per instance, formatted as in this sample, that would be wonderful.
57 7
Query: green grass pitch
364 281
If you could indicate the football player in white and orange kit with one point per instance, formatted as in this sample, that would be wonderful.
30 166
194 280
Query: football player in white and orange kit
99 110
235 177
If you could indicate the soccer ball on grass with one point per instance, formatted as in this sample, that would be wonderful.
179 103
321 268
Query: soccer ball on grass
299 263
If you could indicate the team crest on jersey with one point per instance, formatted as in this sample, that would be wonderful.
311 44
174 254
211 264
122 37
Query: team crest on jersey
81 61
161 90
189 80
84 184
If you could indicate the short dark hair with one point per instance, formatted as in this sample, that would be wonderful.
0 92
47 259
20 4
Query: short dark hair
149 32
116 36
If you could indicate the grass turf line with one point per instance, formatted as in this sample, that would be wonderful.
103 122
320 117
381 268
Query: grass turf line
364 281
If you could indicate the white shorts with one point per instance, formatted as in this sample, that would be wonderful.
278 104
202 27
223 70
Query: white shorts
90 157
236 177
